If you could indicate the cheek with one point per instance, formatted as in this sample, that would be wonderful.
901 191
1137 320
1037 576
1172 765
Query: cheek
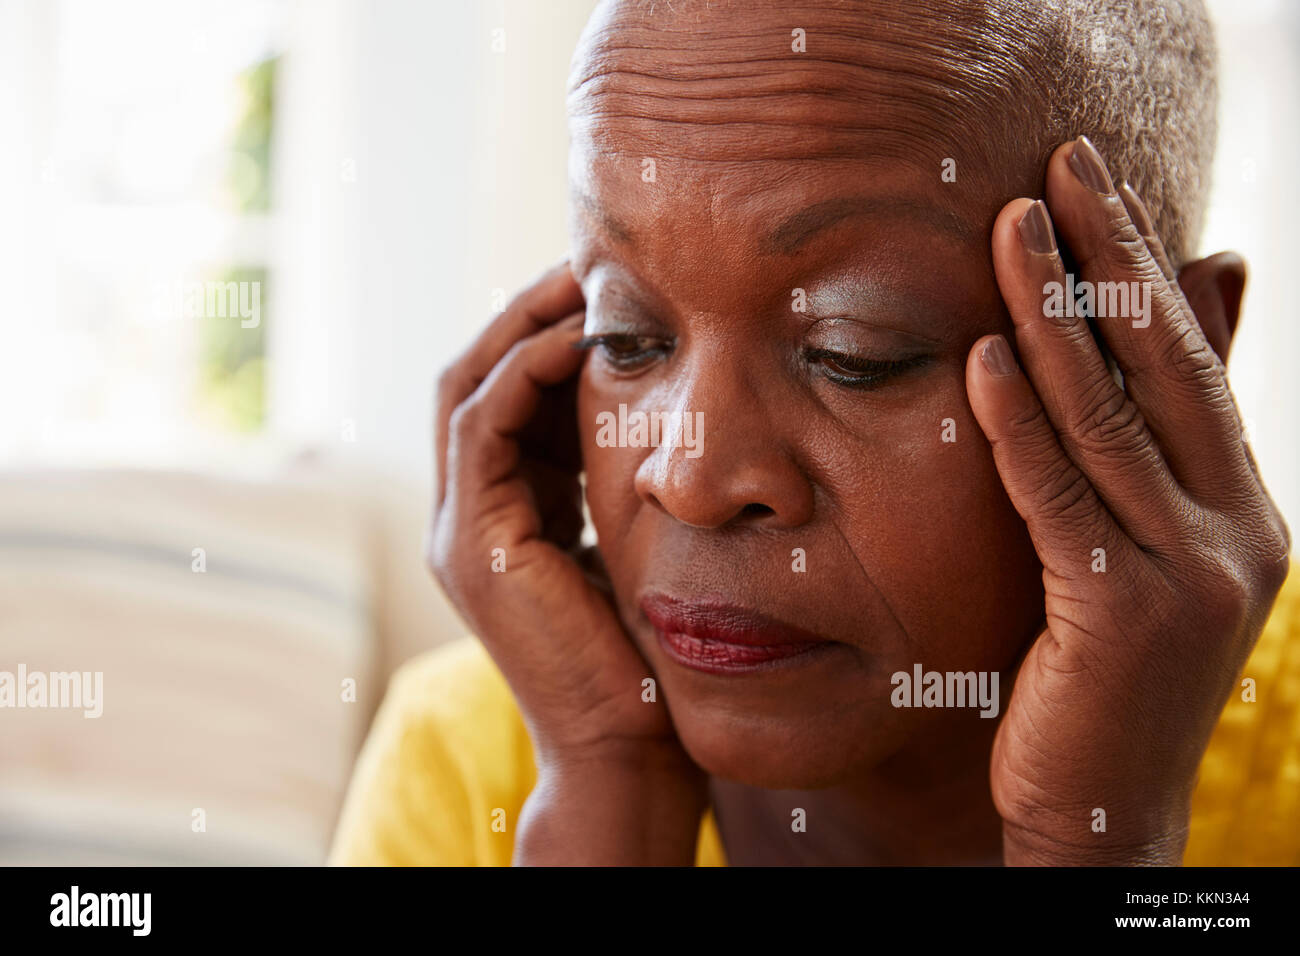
926 513
611 473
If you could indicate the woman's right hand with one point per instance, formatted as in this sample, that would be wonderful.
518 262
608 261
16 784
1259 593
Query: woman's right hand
614 784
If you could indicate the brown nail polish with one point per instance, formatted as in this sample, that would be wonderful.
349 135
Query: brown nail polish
997 358
1036 229
1137 210
1089 167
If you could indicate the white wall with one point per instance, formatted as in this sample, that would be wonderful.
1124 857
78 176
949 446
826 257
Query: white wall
1255 198
420 170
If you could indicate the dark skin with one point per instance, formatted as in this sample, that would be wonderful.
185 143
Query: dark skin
823 433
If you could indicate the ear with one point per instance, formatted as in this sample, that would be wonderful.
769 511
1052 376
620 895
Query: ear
1213 288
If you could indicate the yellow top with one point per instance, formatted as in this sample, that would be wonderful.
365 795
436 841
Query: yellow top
448 752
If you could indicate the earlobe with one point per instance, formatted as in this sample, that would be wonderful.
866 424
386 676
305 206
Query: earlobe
1214 287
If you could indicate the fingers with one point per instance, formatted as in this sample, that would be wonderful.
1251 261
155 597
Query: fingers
483 450
1066 519
555 295
1099 426
558 496
1169 369
1137 212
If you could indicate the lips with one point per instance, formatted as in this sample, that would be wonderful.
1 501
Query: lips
719 638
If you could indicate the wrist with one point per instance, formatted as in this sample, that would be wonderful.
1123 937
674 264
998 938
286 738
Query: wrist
1162 846
622 805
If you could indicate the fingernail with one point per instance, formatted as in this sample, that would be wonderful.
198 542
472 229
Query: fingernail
997 358
1036 229
1137 210
1089 168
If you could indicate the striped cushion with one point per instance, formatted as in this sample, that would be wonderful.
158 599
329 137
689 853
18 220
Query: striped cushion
222 690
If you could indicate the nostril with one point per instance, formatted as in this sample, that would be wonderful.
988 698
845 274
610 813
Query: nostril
756 511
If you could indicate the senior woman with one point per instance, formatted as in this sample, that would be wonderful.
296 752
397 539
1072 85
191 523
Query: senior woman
922 275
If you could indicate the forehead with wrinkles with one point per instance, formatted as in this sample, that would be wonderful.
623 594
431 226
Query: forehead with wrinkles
995 84
719 82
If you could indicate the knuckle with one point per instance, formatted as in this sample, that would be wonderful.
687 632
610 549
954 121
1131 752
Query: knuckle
1235 589
1229 600
1284 532
1122 249
1261 541
1131 248
520 348
449 386
1276 572
433 559
1029 422
1271 558
1282 567
1186 352
436 553
440 549
1062 491
1114 423
463 418
1105 418
1065 493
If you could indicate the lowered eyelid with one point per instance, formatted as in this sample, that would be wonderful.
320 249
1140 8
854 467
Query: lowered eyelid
854 336
602 325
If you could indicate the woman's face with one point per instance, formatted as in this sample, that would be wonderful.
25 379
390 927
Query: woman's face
797 272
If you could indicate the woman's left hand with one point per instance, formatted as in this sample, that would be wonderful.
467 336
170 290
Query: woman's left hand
1162 552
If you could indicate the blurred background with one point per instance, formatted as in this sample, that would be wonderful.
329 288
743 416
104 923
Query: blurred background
239 239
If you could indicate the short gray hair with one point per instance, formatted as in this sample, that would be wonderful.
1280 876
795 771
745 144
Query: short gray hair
1139 78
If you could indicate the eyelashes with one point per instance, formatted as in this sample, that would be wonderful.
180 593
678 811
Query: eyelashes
853 371
624 350
628 352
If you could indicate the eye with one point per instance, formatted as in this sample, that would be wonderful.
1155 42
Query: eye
624 350
853 371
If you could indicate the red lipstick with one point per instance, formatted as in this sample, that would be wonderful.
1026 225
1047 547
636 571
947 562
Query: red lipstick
719 638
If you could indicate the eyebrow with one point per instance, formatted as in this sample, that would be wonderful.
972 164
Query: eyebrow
612 226
794 231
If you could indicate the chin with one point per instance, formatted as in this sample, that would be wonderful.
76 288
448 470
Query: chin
755 749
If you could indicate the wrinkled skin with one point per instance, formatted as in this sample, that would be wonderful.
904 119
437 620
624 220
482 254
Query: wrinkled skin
959 555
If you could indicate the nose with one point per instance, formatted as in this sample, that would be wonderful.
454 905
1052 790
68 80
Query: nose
745 471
